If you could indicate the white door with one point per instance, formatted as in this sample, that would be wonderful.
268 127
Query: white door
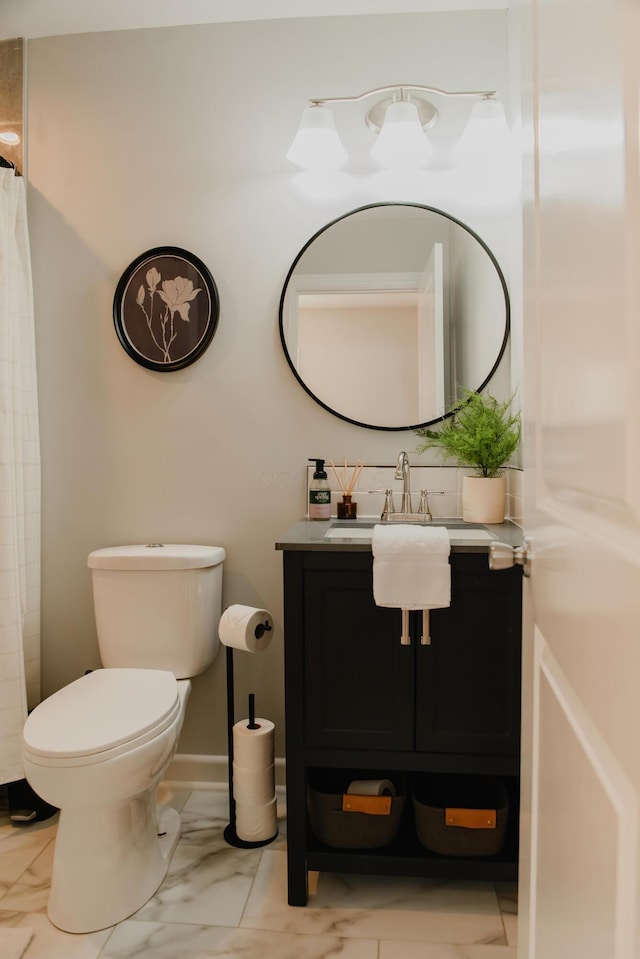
580 891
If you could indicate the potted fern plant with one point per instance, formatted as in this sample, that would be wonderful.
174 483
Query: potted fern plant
482 433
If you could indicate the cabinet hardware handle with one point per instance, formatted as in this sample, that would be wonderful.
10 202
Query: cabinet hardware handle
405 639
425 639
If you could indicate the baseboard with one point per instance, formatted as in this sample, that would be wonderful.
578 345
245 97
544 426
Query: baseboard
189 771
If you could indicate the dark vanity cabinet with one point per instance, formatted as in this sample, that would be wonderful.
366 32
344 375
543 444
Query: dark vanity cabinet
357 699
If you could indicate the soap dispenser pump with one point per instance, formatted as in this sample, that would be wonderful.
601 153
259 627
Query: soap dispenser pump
319 492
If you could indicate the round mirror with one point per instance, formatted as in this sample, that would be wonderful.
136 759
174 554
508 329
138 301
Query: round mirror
388 311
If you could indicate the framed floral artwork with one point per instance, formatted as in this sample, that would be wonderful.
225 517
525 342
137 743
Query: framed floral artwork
166 309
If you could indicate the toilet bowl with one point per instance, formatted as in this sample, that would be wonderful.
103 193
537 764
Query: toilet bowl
97 750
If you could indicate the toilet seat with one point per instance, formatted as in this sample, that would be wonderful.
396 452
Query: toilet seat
101 715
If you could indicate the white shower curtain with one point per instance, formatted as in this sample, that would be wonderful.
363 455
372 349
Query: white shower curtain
19 480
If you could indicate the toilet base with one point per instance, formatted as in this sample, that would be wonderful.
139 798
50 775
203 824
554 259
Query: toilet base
169 825
109 862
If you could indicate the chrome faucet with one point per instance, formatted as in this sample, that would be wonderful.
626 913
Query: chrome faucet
403 473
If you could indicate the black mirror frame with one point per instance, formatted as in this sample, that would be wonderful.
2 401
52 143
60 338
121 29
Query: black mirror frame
373 206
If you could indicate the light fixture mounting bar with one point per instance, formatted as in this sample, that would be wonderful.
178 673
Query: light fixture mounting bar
317 101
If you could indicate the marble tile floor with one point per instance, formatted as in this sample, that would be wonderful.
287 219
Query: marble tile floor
219 901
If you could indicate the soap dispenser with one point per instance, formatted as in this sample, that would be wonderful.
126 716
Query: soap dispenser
319 492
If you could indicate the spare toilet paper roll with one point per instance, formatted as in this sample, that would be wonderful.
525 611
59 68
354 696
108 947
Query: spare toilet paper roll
371 787
256 823
254 786
253 748
247 628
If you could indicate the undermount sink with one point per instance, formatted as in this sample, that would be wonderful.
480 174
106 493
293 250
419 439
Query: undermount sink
363 530
349 532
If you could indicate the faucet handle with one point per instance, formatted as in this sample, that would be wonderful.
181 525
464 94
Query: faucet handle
423 505
388 504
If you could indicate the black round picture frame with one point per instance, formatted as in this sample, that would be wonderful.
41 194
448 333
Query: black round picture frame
166 308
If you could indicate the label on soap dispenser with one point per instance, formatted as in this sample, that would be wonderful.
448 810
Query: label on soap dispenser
320 504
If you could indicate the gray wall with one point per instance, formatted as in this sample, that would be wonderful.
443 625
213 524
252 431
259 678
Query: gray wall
177 136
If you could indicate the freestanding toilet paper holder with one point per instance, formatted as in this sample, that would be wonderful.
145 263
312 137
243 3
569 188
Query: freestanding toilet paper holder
230 834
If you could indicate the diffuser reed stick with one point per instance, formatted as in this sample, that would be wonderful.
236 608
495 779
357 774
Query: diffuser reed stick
340 483
355 476
346 509
347 487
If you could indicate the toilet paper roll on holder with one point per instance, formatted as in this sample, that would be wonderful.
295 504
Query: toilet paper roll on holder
230 834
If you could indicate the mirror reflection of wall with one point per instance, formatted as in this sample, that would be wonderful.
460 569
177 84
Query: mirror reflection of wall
342 332
388 310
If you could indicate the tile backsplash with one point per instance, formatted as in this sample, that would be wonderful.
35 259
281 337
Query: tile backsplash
514 494
444 483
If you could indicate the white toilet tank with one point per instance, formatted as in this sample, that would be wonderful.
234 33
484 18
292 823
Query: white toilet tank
158 606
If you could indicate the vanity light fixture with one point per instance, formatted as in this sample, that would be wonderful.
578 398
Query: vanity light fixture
486 130
317 144
399 119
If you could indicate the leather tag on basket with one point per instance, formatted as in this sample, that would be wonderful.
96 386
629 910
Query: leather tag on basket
471 818
371 805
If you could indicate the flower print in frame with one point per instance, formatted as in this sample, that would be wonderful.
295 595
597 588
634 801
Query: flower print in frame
166 309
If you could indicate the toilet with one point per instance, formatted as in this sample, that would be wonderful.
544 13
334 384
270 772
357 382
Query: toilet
98 748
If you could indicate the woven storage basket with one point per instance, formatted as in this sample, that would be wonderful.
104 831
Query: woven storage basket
462 802
342 829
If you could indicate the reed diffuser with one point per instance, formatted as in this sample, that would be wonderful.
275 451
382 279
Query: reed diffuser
347 509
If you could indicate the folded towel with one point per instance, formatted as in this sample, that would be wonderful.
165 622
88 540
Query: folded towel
411 566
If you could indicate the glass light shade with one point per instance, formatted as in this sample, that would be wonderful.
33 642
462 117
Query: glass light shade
317 145
486 133
402 141
7 137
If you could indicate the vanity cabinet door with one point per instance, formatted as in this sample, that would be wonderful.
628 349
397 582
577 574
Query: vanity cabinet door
468 679
359 679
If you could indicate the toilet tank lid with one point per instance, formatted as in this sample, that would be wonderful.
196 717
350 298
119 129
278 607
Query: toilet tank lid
156 556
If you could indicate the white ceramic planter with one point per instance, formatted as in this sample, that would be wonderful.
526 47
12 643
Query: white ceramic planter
483 500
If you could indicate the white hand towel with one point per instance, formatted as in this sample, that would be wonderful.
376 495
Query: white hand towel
411 566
